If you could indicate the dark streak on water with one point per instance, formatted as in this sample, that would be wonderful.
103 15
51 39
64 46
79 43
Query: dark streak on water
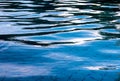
59 40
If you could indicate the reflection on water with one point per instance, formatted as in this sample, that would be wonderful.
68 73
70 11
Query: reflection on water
58 40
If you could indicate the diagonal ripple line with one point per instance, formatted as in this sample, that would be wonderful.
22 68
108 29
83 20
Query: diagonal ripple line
40 42
6 47
7 36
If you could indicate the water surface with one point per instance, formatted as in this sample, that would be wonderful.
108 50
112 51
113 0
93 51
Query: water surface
59 40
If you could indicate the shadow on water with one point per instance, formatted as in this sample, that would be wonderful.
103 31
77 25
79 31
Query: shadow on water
76 37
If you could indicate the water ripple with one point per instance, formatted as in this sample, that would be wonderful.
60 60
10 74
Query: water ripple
56 36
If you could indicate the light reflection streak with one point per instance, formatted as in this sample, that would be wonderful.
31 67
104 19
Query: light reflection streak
94 36
110 51
117 13
67 57
94 67
14 70
109 67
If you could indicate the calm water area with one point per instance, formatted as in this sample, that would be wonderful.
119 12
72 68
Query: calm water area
59 40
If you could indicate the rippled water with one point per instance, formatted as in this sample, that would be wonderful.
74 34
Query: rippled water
59 40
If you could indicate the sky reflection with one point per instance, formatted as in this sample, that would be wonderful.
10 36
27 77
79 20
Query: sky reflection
15 70
70 39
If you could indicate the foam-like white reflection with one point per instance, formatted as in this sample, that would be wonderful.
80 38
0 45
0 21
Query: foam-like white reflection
117 13
65 14
81 40
12 70
93 36
91 11
84 20
118 26
94 67
68 9
109 67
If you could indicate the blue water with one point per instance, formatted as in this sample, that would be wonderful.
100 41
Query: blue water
59 40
